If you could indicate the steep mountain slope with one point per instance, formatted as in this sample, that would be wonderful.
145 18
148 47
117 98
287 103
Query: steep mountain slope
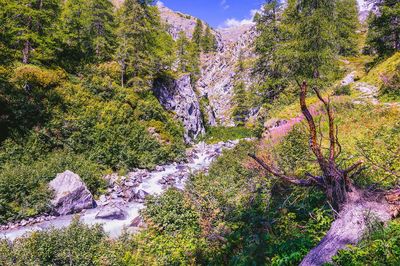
218 69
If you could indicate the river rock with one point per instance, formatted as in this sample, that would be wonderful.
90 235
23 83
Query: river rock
137 222
111 212
71 194
141 195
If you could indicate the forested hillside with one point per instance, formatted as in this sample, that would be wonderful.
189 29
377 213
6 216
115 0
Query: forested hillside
129 115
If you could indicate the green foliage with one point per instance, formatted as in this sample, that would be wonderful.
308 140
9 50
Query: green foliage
217 134
188 57
144 47
380 248
342 90
384 28
198 34
27 28
390 89
268 65
208 41
241 104
380 152
308 50
170 212
23 180
77 244
347 24
294 153
86 32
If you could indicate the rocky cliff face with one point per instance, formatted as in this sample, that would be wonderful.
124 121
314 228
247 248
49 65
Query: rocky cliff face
220 70
179 97
365 6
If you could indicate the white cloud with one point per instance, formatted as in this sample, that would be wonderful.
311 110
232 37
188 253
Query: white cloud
233 22
159 4
224 4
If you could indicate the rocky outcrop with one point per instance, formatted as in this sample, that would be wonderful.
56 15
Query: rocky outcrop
365 7
70 194
179 97
219 70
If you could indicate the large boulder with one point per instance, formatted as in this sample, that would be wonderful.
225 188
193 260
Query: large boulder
111 212
71 194
178 96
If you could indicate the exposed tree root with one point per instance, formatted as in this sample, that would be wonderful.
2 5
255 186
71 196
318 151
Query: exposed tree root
357 209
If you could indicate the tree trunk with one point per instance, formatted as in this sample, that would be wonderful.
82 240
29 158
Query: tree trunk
357 217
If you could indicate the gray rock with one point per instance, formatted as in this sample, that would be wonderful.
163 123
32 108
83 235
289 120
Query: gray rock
179 96
71 194
137 222
111 212
141 195
129 184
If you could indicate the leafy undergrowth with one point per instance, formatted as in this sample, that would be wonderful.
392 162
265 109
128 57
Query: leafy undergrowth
384 68
381 247
217 134
88 125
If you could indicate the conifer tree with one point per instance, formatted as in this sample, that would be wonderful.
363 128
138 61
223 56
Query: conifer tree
28 26
198 33
384 28
347 24
101 27
188 56
308 49
144 48
208 41
241 108
268 66
73 37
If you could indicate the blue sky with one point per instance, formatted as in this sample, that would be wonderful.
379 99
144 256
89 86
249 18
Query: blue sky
218 13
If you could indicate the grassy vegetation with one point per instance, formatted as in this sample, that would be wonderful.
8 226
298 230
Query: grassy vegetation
217 134
384 69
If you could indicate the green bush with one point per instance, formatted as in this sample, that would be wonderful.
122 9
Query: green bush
380 248
217 134
170 212
23 185
77 244
342 90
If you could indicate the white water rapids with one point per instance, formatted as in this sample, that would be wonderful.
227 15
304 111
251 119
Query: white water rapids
202 159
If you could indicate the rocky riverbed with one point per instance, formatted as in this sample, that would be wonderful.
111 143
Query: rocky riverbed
119 207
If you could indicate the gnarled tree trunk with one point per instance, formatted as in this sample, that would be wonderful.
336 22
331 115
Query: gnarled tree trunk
355 208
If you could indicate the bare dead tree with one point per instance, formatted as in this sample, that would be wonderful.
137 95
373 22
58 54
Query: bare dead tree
350 202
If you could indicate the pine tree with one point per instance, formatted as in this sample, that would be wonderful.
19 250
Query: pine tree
308 49
188 56
268 66
384 28
144 48
208 41
347 24
28 26
241 108
198 33
74 42
101 28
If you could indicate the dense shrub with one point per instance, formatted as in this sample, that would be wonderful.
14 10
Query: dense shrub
77 244
217 134
380 248
170 212
23 185
390 90
342 90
